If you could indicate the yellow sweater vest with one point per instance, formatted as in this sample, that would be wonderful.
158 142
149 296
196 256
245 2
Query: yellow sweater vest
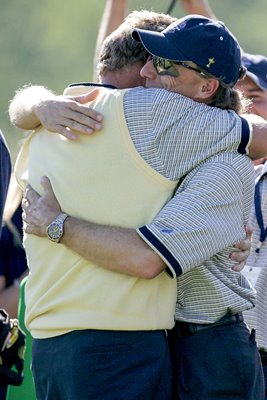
103 179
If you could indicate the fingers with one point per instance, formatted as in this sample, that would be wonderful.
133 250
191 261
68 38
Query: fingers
242 252
45 182
26 227
239 256
67 117
25 216
70 127
49 196
77 104
79 122
249 231
238 267
39 211
245 244
30 195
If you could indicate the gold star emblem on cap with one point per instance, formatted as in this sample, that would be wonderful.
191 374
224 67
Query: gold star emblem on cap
211 61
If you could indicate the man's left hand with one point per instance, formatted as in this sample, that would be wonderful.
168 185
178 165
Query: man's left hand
242 253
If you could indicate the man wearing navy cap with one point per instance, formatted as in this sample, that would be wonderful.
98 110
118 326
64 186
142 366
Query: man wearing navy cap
254 85
180 42
210 296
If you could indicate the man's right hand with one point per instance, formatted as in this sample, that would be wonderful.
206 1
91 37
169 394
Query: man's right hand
35 105
69 115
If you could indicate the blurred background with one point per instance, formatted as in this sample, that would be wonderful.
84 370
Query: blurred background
52 42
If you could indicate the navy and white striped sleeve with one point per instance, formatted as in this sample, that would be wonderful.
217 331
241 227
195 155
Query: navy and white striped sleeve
246 137
174 134
206 214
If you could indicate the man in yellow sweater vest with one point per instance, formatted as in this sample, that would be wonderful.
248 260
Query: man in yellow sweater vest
106 309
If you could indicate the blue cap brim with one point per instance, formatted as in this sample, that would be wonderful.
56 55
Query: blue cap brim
157 44
259 82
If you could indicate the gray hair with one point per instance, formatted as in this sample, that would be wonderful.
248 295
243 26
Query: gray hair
120 50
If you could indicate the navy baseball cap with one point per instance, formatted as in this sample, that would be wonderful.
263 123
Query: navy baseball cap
207 43
256 65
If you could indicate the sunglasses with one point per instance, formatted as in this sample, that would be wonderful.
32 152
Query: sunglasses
166 67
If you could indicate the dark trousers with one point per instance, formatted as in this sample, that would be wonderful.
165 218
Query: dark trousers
3 391
264 364
222 362
103 365
265 378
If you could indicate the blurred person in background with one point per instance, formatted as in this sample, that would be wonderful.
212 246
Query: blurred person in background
255 88
5 173
13 263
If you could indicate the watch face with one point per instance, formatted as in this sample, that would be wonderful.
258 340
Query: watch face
56 228
54 232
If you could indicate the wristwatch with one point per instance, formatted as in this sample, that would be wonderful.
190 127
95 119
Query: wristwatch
55 230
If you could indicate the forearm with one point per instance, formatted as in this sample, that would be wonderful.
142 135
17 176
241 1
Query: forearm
22 108
117 249
113 15
200 7
9 299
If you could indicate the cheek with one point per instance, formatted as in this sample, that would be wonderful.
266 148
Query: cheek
259 108
170 83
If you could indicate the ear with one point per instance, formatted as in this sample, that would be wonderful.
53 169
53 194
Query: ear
209 87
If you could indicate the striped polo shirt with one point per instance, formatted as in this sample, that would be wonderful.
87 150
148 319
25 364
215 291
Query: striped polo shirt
256 266
196 230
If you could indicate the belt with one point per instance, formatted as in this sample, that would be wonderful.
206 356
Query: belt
183 329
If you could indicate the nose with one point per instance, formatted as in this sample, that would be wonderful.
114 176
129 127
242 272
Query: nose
148 71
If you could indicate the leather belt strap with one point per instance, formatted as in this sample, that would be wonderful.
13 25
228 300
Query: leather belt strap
183 329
